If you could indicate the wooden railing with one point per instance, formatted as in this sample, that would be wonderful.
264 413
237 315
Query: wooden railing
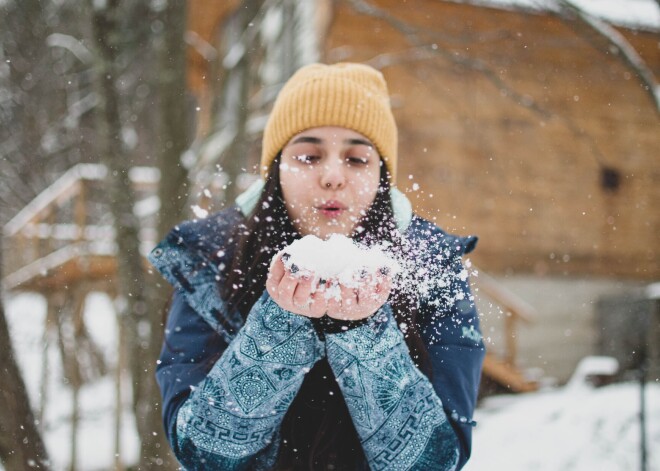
71 219
503 367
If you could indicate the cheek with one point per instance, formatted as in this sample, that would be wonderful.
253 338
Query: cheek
288 183
295 190
366 188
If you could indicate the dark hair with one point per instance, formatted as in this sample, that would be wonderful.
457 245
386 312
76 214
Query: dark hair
265 232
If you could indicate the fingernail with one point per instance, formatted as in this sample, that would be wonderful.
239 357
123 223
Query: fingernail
294 268
286 256
384 270
363 273
322 281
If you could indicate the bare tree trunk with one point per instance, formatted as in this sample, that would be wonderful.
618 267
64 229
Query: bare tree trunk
175 117
237 78
21 446
174 135
130 274
49 322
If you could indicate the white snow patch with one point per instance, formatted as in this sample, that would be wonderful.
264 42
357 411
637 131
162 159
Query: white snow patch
573 430
199 212
26 318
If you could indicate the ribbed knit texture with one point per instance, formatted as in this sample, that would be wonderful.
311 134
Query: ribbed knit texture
349 95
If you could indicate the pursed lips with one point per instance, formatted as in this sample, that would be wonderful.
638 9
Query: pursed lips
332 209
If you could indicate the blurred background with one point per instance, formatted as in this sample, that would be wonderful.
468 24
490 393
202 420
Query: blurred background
534 124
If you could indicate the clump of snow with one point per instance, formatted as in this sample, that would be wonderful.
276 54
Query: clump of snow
199 212
337 260
592 366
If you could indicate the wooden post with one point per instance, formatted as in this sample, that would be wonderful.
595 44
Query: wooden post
510 337
79 296
81 209
43 246
18 253
51 312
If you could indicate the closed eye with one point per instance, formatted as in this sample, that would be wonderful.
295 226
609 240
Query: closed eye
307 158
357 160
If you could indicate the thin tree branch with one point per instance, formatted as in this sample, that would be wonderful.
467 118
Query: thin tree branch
619 43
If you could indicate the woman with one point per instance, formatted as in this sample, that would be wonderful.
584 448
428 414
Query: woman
258 371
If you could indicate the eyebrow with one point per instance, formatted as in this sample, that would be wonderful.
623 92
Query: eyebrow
316 140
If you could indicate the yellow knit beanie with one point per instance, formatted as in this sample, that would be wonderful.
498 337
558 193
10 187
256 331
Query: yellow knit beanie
349 95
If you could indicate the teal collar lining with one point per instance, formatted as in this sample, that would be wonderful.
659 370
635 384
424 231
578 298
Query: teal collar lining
401 206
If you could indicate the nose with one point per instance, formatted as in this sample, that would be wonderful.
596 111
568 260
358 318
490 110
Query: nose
333 174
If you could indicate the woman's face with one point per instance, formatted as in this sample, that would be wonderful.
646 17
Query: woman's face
329 177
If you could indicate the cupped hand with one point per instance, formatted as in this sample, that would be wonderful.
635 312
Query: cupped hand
360 302
297 294
294 293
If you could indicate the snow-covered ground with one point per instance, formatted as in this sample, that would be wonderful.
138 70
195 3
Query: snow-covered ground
96 444
574 428
568 429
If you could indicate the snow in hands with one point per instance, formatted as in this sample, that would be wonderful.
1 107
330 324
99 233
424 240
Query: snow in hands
337 260
427 272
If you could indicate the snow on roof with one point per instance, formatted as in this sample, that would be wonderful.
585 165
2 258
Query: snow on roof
635 14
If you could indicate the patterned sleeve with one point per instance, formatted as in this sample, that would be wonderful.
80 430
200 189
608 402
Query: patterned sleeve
231 419
397 413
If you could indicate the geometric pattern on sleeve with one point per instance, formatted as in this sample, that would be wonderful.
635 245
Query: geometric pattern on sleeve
233 416
396 412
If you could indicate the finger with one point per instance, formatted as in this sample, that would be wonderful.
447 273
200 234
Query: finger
334 306
302 293
380 295
366 294
349 300
275 275
319 305
374 286
286 288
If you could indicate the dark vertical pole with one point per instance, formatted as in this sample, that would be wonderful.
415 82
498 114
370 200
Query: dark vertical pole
643 368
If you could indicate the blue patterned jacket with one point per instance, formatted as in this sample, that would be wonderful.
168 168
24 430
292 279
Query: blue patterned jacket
229 417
